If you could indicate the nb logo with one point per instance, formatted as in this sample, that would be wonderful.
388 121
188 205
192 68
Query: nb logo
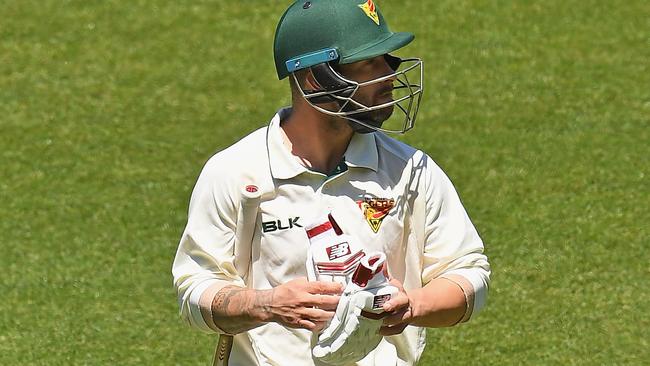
338 250
270 226
379 301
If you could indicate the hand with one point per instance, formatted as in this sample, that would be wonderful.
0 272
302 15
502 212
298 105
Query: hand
399 311
303 304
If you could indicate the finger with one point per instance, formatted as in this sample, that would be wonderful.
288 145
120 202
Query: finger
384 270
324 288
316 315
396 329
319 326
396 303
307 324
397 318
326 302
395 282
373 316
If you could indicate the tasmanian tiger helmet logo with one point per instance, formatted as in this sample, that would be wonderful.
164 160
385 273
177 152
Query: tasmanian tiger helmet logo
371 11
375 210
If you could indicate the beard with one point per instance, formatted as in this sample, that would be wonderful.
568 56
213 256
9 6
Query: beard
374 119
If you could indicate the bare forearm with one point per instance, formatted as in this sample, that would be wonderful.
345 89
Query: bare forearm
441 303
236 309
298 303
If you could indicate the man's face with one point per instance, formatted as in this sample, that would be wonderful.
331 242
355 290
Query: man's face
373 94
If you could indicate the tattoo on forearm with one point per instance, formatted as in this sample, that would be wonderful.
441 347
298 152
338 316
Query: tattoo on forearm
217 303
222 302
234 308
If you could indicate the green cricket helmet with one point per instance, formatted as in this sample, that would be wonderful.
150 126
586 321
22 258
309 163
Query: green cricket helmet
320 34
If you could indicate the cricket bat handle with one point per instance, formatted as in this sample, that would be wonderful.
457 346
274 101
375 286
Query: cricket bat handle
244 232
245 229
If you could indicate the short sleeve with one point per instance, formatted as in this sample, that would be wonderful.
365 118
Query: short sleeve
452 244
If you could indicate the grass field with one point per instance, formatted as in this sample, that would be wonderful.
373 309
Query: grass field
538 110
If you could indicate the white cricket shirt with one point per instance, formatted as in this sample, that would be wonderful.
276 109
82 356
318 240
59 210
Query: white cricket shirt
392 197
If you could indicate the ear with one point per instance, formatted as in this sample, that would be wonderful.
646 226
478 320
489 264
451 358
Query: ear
304 80
310 81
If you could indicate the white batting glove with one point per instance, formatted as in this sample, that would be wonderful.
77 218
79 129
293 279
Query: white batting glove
349 337
333 256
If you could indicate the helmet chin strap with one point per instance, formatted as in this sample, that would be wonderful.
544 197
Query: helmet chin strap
330 81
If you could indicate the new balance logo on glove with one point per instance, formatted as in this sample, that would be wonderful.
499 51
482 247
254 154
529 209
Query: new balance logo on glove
379 301
338 250
333 256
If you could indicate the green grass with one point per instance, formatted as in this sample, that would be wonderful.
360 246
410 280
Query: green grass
539 112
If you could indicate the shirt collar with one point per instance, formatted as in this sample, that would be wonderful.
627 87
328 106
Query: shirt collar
283 164
361 152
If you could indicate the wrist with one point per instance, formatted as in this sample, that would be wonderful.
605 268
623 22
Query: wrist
441 303
259 305
417 305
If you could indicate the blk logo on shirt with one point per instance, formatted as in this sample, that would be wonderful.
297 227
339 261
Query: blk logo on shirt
276 225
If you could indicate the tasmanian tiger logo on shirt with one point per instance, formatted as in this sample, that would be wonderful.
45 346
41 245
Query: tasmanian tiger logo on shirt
375 210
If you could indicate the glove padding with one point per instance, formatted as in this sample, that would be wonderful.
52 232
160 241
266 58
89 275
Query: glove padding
349 336
333 255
